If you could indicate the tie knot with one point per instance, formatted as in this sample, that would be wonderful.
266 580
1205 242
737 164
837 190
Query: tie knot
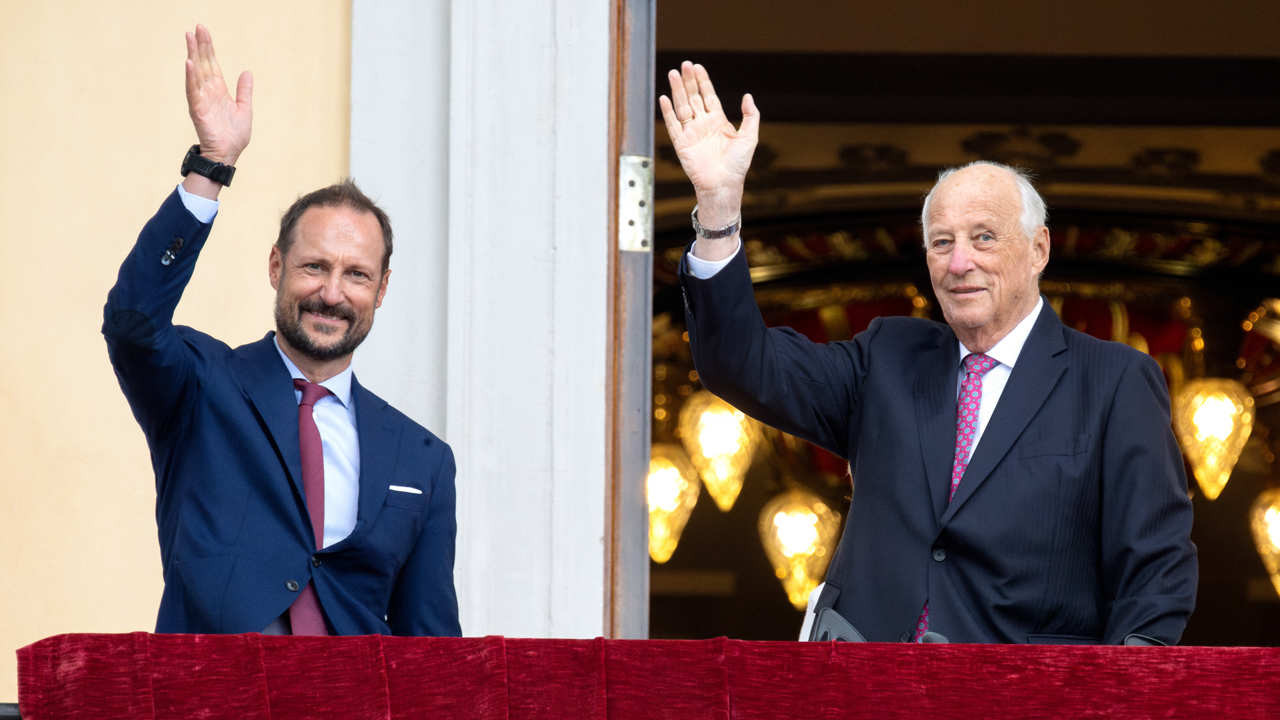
979 363
312 392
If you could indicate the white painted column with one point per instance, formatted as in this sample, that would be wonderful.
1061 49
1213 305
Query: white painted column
400 158
500 336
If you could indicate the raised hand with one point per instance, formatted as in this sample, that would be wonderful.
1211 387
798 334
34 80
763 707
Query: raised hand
223 125
712 152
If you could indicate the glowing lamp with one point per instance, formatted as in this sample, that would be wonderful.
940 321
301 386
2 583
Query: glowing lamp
721 441
799 535
1213 418
1264 519
672 490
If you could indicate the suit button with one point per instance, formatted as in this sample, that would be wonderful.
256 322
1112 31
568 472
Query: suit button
291 585
939 554
315 561
904 637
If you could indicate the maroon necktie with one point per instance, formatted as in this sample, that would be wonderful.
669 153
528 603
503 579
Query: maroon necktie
975 366
304 615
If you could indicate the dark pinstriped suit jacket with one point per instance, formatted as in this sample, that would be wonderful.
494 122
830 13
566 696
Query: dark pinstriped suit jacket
1071 523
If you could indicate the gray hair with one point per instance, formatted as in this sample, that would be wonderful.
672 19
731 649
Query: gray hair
1034 212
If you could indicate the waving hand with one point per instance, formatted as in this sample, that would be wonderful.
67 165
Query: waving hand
713 153
223 124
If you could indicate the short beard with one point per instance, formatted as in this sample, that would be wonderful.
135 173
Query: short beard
289 325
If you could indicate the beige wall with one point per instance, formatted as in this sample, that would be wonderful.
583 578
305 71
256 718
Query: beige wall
93 126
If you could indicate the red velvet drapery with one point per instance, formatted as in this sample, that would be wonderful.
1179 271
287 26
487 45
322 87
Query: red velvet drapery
253 676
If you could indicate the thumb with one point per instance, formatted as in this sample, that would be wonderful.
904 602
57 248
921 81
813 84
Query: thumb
244 90
750 118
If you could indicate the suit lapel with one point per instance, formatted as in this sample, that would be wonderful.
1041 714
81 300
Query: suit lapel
379 448
1039 367
935 399
265 382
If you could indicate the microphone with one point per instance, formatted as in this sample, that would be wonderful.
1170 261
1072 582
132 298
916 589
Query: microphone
831 625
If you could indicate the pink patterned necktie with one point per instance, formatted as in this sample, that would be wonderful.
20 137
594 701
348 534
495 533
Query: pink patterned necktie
305 615
975 366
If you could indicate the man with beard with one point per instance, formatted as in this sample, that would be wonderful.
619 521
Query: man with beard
289 499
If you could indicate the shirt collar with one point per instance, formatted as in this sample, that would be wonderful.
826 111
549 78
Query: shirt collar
1006 351
339 385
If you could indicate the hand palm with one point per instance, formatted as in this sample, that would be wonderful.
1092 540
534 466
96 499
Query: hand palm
712 152
223 124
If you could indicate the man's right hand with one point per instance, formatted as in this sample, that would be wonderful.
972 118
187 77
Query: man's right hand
712 152
223 125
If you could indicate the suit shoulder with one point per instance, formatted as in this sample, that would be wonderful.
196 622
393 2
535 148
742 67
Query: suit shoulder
1104 353
204 342
408 424
906 332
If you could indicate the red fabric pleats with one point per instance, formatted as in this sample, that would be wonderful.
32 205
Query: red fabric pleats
159 677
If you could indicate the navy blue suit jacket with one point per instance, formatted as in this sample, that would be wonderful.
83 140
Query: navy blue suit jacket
222 426
1071 523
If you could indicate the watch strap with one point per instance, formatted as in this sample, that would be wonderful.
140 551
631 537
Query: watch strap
196 163
714 233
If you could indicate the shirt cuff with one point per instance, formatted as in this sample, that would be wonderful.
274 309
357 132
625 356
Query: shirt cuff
201 207
705 269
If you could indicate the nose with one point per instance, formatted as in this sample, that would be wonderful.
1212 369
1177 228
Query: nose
961 259
331 291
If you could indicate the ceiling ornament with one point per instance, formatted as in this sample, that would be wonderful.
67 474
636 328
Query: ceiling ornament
1020 147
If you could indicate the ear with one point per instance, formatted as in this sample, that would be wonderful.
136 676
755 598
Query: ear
1040 249
382 288
275 265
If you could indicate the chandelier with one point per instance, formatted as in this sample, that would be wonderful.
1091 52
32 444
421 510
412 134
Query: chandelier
1264 519
799 534
721 441
1213 418
672 491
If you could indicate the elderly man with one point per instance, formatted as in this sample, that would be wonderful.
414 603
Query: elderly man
289 499
1016 481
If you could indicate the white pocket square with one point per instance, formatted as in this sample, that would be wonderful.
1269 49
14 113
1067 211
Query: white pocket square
405 489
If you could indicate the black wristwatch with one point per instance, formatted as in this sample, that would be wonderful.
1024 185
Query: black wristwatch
196 163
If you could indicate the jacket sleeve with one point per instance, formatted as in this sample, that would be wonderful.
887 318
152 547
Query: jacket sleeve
775 375
1148 562
155 367
424 601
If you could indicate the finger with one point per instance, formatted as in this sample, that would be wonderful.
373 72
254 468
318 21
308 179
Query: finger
706 89
192 65
204 46
192 83
679 100
674 129
244 90
214 67
687 77
691 87
750 118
